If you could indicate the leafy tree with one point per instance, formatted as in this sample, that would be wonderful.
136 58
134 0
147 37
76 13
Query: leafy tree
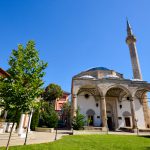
78 121
52 92
66 114
48 116
10 115
19 90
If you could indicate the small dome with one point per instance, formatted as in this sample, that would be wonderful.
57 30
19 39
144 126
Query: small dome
87 77
111 76
137 80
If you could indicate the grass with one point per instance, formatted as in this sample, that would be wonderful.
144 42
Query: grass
93 142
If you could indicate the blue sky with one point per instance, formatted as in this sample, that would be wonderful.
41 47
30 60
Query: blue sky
75 35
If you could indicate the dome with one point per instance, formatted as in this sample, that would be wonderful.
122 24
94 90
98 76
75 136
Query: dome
87 77
111 76
136 80
98 68
99 73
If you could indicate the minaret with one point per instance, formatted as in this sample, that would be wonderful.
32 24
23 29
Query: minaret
131 41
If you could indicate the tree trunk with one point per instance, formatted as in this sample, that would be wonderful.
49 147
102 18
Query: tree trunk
7 147
25 142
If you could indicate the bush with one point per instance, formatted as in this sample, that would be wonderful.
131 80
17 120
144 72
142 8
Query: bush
48 116
78 121
35 119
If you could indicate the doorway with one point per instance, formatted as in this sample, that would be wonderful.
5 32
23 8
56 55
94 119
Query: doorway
90 120
90 117
109 123
127 121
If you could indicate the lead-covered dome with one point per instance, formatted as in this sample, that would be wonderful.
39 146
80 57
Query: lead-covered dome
99 73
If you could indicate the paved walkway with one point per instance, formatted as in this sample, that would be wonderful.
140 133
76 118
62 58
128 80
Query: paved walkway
33 138
44 137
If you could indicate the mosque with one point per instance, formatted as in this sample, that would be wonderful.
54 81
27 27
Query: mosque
108 100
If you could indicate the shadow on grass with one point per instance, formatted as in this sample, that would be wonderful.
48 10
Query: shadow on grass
145 136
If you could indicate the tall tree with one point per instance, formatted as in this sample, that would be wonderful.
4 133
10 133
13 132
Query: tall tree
19 91
52 92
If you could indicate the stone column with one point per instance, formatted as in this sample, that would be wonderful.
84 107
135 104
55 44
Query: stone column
20 128
5 114
103 114
146 111
134 122
74 104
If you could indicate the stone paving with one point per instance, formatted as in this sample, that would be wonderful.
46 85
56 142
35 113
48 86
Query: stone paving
33 138
44 137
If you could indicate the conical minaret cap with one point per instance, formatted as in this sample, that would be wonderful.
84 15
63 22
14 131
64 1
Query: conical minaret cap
129 29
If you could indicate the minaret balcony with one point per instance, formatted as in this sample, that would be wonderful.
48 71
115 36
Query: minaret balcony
130 39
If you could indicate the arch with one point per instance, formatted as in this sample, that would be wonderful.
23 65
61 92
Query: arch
123 88
90 112
94 90
140 92
126 114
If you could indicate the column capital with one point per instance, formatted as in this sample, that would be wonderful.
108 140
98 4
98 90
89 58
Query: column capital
102 97
132 98
74 95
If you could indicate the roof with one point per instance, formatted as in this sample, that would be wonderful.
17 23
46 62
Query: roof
3 72
98 73
98 68
65 92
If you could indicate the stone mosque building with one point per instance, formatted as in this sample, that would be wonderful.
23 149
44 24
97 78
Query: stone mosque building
107 99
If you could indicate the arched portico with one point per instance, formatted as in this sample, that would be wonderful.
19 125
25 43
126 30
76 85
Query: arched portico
141 94
87 97
93 90
113 95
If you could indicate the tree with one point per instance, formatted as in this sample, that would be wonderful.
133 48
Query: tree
48 116
52 92
19 90
66 114
78 120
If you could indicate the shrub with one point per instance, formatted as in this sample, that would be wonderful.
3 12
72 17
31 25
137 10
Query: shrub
35 119
78 121
48 116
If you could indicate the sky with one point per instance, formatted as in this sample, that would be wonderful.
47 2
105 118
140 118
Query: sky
76 35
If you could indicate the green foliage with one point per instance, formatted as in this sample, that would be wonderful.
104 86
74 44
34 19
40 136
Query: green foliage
11 116
78 121
19 90
52 92
66 114
35 119
48 116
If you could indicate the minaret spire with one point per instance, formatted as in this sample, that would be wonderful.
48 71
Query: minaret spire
131 41
129 29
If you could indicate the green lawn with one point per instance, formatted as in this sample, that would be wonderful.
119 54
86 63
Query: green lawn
92 142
